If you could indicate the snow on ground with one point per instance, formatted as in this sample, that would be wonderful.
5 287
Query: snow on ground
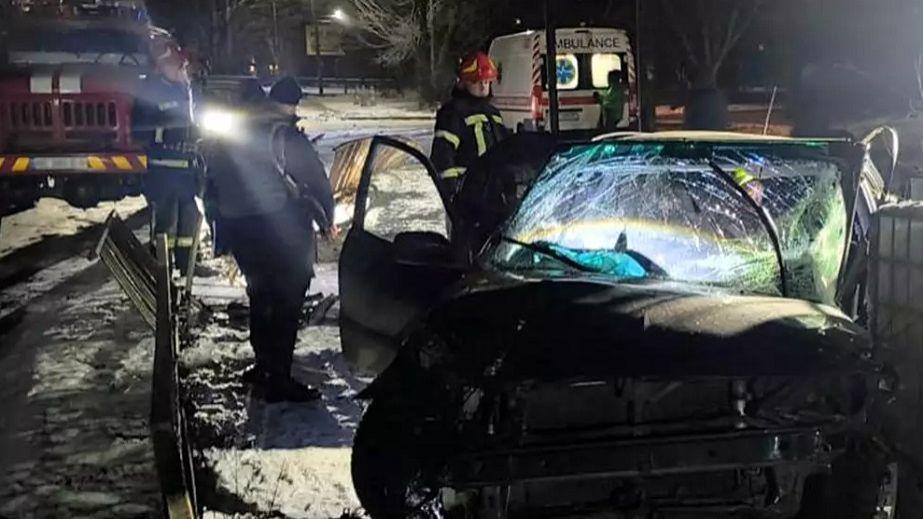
15 297
75 364
338 113
76 392
52 217
291 459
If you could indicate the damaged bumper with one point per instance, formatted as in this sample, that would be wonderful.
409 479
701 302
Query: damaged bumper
647 457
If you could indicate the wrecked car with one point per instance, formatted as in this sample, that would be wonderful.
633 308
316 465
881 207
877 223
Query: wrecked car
666 326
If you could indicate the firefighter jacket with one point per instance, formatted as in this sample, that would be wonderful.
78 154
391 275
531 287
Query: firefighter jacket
466 127
273 165
162 122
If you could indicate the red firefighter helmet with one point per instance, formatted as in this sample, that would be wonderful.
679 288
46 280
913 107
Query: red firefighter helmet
477 67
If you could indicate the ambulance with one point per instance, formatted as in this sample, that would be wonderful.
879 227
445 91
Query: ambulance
585 57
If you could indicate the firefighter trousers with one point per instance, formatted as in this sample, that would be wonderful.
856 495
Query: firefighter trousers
275 252
171 195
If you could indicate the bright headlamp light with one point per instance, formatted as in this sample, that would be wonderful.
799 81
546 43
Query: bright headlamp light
217 122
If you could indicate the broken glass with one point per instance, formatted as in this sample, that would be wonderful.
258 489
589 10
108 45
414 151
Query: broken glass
680 219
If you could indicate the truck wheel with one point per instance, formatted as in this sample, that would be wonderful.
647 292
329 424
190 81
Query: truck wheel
391 462
863 484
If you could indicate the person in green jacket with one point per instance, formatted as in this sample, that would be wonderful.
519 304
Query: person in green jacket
612 101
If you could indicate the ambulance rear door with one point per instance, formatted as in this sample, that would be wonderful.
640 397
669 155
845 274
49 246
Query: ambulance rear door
585 57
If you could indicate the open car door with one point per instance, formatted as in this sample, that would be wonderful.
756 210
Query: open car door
397 258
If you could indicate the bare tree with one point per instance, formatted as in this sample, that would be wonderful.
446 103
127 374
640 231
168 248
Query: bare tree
393 25
425 33
708 31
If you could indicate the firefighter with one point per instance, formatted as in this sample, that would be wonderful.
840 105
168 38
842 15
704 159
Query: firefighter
468 124
268 199
163 123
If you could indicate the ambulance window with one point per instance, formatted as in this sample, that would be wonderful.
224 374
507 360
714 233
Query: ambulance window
568 72
601 65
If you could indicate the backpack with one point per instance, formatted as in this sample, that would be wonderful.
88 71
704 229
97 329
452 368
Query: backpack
303 197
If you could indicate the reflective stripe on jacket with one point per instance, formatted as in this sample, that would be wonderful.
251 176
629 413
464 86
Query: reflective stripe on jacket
466 127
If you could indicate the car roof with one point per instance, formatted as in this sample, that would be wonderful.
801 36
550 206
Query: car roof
709 137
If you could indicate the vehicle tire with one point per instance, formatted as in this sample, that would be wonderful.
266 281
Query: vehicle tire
860 481
394 457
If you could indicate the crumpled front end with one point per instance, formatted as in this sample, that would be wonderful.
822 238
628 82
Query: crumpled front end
582 398
711 447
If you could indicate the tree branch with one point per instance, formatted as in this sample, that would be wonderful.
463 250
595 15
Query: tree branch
705 25
678 29
735 33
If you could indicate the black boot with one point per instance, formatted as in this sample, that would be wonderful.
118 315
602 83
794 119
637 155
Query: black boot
254 376
287 389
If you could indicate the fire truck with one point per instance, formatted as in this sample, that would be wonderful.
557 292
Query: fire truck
69 72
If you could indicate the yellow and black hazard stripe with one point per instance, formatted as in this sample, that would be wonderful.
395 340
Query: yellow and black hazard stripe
97 163
117 163
14 164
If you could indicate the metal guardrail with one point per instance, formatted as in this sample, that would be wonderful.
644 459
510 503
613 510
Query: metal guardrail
172 450
131 265
148 282
312 84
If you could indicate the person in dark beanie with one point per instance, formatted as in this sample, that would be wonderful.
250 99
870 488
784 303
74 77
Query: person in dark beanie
287 93
269 202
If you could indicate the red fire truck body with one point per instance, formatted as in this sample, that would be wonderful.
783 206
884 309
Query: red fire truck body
68 80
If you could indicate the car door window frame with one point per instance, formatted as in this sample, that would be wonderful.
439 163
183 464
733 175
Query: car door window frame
362 192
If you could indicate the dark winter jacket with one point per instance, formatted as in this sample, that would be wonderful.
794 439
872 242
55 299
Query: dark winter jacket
466 127
162 122
248 179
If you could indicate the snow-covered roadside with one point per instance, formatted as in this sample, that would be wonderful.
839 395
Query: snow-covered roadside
52 217
341 113
283 458
76 391
19 295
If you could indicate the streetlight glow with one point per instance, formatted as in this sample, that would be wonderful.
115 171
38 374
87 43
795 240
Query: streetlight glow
338 14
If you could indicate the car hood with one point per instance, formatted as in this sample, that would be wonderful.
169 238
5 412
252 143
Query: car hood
586 328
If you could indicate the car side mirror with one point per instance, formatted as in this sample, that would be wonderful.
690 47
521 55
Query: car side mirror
421 248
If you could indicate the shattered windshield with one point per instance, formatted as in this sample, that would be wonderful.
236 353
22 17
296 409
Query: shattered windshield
671 211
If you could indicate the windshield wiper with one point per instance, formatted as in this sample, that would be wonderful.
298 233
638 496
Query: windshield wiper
546 250
765 219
